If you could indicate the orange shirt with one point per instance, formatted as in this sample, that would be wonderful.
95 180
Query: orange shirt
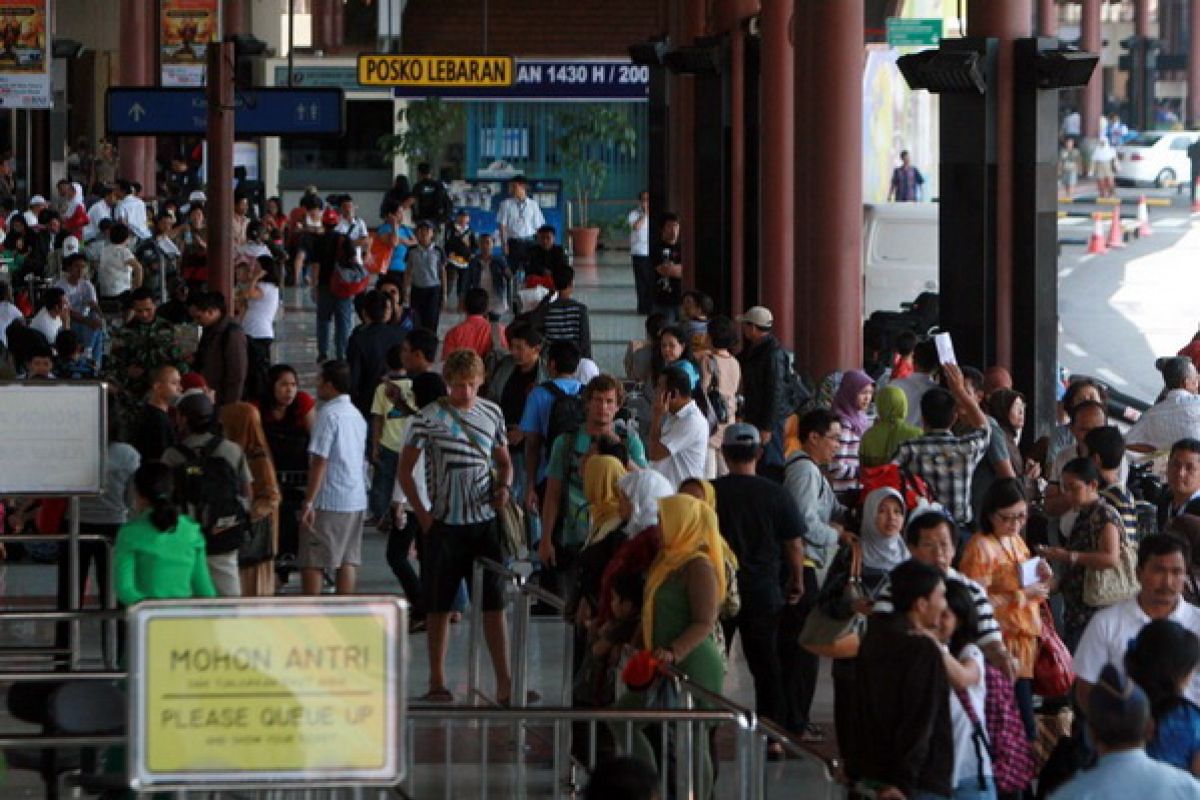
473 333
995 564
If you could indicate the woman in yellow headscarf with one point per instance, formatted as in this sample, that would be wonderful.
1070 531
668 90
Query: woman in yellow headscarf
600 476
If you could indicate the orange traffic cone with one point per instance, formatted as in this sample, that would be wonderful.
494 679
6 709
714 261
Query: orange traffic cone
1116 236
1143 218
1096 244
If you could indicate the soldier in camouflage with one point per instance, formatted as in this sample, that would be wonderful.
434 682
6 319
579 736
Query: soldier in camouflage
145 343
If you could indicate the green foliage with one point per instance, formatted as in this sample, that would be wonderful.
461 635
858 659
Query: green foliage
432 123
585 135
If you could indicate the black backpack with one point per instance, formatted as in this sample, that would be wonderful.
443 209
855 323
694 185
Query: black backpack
566 412
209 489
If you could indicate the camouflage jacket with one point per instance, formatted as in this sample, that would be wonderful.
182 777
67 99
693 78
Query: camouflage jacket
144 346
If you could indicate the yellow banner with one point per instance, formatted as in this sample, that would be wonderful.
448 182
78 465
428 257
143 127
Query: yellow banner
382 70
269 694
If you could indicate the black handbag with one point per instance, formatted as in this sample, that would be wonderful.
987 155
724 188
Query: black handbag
258 545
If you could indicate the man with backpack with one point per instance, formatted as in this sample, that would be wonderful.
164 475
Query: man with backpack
433 201
336 497
368 350
565 518
332 310
553 408
769 385
223 355
213 484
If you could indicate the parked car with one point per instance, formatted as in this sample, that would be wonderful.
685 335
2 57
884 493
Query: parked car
1156 158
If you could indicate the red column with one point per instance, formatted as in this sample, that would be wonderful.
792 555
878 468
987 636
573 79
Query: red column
1193 72
687 22
1093 94
1004 21
234 17
1141 17
322 33
338 23
220 170
737 169
137 69
777 168
830 318
1047 18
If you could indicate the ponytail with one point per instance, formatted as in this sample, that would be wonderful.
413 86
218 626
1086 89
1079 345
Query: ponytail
154 483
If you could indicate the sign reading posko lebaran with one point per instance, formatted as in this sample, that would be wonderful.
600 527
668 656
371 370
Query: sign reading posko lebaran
445 71
237 694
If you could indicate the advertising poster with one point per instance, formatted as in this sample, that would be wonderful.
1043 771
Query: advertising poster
24 54
187 28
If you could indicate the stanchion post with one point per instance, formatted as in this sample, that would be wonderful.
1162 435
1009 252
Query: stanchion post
520 646
475 632
685 761
73 599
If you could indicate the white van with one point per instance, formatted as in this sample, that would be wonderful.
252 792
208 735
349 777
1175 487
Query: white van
900 254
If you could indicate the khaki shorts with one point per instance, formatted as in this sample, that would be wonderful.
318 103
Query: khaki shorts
334 540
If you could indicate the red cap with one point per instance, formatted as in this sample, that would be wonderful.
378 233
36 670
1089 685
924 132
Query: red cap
193 380
330 217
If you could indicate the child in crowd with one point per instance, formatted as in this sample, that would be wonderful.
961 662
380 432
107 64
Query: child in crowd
902 362
389 421
40 364
596 681
460 246
73 363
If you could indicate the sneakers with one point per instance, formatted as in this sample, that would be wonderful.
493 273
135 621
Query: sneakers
812 734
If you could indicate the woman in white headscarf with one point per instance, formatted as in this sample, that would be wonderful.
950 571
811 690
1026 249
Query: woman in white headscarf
640 492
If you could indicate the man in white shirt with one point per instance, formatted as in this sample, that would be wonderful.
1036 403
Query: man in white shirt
131 210
639 253
678 430
54 313
519 218
1162 570
101 209
9 313
37 204
351 224
1176 416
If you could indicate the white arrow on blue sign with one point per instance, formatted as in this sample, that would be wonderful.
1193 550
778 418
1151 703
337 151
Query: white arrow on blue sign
147 111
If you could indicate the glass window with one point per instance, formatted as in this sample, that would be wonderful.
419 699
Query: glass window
366 121
1146 140
1181 143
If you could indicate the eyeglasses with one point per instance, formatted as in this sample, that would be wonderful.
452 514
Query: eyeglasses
1018 517
833 437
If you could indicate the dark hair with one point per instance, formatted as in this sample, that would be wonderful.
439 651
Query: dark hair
124 185
564 355
427 388
912 581
393 358
971 375
67 343
390 206
623 777
670 216
676 380
375 305
1000 404
1106 444
925 357
1003 493
629 586
310 201
139 294
927 521
38 349
1161 544
547 229
1188 445
741 453
702 301
423 341
276 372
475 301
73 259
563 277
961 603
604 383
153 481
1162 656
1083 468
53 298
1076 386
336 373
388 279
722 333
612 446
518 179
676 333
1084 407
424 169
819 421
905 343
525 332
654 324
208 301
270 269
253 230
937 408
118 233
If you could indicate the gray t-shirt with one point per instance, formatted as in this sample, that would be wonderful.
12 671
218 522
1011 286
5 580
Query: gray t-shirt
111 506
425 266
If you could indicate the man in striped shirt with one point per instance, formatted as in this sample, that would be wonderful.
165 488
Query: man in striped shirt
930 537
566 318
462 438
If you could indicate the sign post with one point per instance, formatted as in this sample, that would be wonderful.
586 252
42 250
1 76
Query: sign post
905 32
144 111
281 692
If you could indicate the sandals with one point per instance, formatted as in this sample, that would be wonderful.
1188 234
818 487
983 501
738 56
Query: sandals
439 694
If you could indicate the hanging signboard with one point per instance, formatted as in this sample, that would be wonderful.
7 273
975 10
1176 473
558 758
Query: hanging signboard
24 54
186 28
545 80
437 71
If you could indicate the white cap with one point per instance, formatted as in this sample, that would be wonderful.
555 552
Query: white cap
70 246
37 200
197 197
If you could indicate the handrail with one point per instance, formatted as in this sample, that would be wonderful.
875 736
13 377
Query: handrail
64 677
565 714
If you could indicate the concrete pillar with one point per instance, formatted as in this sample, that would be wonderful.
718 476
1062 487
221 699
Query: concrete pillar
1193 71
1004 21
137 67
829 326
1047 18
1091 40
737 169
777 168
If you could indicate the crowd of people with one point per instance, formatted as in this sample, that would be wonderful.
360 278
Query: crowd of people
904 527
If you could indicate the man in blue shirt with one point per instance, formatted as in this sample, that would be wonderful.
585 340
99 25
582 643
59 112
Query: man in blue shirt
562 362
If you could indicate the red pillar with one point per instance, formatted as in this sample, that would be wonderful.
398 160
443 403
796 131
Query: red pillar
1093 94
220 170
322 32
338 21
1004 21
737 169
830 322
234 17
1193 72
137 69
777 168
687 22
1047 18
1141 17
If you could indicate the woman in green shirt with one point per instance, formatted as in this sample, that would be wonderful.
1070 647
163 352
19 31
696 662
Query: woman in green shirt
159 554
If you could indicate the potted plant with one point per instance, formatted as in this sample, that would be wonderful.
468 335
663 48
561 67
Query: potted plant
585 136
429 124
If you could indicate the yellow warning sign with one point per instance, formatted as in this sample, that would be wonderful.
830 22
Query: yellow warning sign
291 691
468 71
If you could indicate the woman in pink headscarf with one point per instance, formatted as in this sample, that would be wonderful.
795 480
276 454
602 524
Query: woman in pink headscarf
850 405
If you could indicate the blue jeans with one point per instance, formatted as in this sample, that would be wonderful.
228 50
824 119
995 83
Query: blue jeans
339 311
92 341
968 789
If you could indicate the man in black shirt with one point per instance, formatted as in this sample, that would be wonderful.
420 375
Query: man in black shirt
762 525
509 385
545 257
667 258
154 431
433 202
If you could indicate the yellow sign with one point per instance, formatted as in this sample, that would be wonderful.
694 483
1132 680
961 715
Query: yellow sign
271 691
468 71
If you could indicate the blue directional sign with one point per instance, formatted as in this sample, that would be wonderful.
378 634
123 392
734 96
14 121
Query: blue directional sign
148 111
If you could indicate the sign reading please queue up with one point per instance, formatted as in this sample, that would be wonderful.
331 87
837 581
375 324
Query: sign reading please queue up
280 691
